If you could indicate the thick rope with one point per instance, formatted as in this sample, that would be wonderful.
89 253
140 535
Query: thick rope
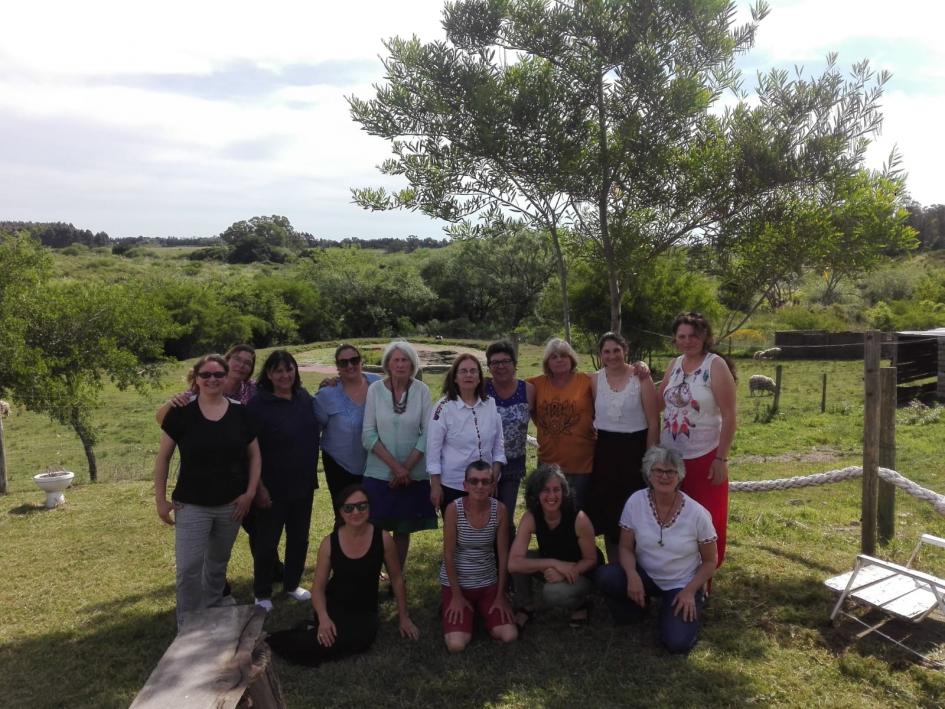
833 476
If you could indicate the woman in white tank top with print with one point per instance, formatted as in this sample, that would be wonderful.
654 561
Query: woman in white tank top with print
698 395
626 416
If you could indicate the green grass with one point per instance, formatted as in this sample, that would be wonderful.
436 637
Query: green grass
99 605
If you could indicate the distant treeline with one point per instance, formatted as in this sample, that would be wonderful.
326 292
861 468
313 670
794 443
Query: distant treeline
58 235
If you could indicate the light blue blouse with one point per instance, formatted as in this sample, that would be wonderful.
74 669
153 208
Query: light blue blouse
342 420
400 433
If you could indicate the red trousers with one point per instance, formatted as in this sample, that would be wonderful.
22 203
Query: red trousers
713 497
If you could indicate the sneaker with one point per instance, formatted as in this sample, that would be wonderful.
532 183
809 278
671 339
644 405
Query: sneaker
300 594
264 603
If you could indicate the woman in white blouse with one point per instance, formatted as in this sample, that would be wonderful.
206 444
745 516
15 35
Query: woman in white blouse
667 550
627 419
464 427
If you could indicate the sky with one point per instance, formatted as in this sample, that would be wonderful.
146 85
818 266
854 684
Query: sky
180 118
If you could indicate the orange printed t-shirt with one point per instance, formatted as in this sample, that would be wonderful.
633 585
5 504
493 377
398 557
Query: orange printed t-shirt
565 422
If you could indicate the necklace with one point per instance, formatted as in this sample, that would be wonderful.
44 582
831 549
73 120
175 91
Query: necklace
399 406
659 518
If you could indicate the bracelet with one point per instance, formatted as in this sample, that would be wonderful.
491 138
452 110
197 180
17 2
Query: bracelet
724 460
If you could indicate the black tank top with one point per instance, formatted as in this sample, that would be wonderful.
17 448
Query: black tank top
353 583
561 542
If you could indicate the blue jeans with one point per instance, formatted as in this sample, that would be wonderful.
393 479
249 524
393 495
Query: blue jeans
676 634
506 492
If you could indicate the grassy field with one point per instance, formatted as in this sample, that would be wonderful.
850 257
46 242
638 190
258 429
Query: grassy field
88 589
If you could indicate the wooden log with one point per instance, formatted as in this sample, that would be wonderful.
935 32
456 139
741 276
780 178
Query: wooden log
886 496
823 395
3 461
215 659
871 426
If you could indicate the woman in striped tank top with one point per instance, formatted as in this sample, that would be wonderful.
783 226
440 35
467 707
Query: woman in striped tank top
475 529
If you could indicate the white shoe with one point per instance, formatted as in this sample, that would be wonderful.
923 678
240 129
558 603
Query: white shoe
265 604
300 594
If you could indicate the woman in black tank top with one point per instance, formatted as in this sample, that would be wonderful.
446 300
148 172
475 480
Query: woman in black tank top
566 551
344 593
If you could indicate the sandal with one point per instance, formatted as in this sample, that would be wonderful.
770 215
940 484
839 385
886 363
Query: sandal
580 617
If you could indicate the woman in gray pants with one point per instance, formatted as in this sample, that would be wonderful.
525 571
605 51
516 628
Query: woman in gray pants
219 473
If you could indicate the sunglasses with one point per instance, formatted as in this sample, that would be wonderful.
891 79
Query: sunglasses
215 375
500 363
343 362
350 507
477 482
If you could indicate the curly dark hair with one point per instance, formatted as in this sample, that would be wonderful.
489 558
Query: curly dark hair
536 483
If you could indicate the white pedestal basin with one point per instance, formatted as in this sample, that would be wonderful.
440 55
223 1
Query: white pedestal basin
53 484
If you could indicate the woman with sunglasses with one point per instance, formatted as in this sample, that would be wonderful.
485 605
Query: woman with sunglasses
340 411
288 441
474 571
464 427
514 399
344 593
216 485
667 550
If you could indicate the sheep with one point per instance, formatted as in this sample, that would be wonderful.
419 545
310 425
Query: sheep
759 383
4 409
770 353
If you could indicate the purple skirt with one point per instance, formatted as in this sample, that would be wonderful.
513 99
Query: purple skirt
401 509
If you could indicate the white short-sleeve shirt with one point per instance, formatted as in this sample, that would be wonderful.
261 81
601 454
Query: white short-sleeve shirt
674 563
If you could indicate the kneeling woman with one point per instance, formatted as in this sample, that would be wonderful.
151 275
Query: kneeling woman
345 590
566 552
667 549
475 529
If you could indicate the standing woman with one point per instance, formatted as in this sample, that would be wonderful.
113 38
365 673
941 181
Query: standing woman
627 419
219 473
396 413
465 427
340 411
698 393
564 417
288 442
514 399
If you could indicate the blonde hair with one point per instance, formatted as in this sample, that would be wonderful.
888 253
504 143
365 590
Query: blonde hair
558 346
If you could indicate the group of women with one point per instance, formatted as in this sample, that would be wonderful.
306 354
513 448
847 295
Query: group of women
656 489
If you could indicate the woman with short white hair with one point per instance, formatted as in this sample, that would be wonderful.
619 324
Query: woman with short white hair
667 550
396 413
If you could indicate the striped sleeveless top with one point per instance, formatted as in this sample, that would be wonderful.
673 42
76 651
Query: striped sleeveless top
475 549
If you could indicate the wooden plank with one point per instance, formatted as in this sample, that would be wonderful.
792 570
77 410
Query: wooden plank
209 664
886 494
868 575
892 592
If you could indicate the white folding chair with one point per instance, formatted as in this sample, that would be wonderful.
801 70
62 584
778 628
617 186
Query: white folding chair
899 591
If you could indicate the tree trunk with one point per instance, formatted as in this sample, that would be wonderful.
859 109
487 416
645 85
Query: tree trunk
563 280
3 461
616 307
613 278
88 441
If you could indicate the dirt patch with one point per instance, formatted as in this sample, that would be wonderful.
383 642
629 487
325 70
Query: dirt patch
813 456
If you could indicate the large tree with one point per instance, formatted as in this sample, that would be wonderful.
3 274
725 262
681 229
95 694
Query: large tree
597 117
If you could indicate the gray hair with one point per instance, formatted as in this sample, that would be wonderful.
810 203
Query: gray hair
660 455
404 347
558 346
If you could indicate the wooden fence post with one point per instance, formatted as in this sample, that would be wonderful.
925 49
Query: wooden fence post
886 498
871 426
823 395
777 389
3 461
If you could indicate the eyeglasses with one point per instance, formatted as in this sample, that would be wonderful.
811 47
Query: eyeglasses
500 363
215 375
343 362
468 372
350 507
479 482
664 472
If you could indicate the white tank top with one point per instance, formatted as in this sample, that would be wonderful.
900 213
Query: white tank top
691 420
618 411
